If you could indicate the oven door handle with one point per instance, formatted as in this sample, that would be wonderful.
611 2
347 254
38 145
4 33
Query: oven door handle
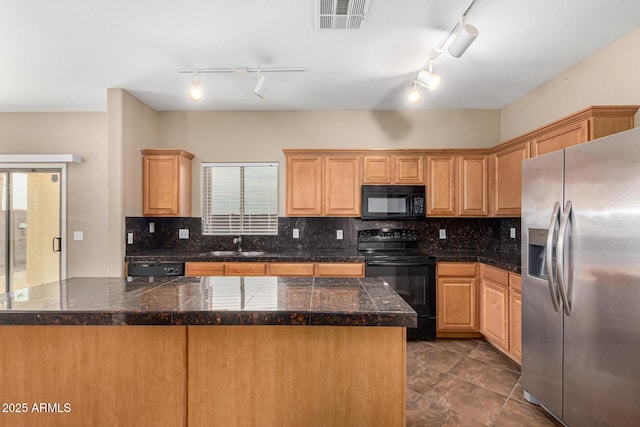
395 264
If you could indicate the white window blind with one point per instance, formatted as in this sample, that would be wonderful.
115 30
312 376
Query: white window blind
239 198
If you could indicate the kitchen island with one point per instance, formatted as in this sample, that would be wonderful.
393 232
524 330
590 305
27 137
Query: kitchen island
266 351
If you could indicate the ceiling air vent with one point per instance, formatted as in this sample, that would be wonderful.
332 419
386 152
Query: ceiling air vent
341 14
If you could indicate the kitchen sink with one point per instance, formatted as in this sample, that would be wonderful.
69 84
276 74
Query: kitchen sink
232 253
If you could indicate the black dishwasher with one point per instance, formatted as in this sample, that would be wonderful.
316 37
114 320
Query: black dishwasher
155 268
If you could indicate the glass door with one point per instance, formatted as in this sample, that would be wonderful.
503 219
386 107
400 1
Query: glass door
30 236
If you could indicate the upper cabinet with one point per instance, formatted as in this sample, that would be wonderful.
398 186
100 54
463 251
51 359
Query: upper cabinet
323 184
166 182
585 125
457 185
393 169
506 179
460 182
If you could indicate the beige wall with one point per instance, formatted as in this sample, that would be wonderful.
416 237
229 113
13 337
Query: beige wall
132 126
84 134
261 136
608 77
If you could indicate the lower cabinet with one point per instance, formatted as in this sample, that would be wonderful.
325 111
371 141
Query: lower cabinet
297 269
515 317
456 298
494 308
500 310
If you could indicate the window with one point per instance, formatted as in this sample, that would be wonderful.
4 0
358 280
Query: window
239 198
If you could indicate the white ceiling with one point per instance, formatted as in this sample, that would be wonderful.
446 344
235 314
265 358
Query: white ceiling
62 55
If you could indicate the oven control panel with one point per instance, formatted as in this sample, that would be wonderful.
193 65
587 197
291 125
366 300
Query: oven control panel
387 234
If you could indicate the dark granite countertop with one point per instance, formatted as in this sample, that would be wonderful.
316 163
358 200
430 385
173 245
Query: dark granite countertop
505 261
208 301
314 255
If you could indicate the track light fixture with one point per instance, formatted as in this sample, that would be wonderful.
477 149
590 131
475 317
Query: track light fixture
428 78
260 86
195 92
465 35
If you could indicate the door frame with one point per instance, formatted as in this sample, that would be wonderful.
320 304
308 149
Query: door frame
16 167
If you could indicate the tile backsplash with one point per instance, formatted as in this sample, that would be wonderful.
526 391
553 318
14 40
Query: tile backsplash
485 234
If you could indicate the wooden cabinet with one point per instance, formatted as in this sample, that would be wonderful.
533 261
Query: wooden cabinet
298 269
515 317
457 185
506 179
441 185
501 310
585 125
323 185
456 298
473 190
304 185
339 269
342 186
494 306
166 182
567 136
393 169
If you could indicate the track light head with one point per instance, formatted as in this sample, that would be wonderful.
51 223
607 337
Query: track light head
260 86
428 78
463 40
195 91
414 94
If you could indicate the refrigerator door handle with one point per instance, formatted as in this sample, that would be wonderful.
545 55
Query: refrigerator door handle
560 257
549 256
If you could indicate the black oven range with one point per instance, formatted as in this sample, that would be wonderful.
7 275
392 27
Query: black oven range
393 255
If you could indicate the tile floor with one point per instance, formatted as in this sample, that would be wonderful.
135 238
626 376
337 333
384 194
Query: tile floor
466 383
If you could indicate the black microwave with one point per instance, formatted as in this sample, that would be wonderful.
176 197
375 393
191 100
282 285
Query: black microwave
393 202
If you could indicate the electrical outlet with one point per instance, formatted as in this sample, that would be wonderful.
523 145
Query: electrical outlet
129 238
296 233
183 233
78 235
512 233
339 234
152 227
443 233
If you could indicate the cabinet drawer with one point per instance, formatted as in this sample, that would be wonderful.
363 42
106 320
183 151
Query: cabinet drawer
515 281
336 269
194 269
496 275
291 269
456 269
245 269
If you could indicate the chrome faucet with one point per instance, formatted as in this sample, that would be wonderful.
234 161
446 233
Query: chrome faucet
237 241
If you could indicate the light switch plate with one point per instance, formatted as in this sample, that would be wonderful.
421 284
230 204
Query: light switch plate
129 238
512 233
443 233
183 233
78 235
296 233
339 234
152 227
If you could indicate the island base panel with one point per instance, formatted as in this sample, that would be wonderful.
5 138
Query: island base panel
291 375
106 375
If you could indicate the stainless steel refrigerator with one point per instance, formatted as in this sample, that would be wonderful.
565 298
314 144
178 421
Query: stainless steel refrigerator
581 281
